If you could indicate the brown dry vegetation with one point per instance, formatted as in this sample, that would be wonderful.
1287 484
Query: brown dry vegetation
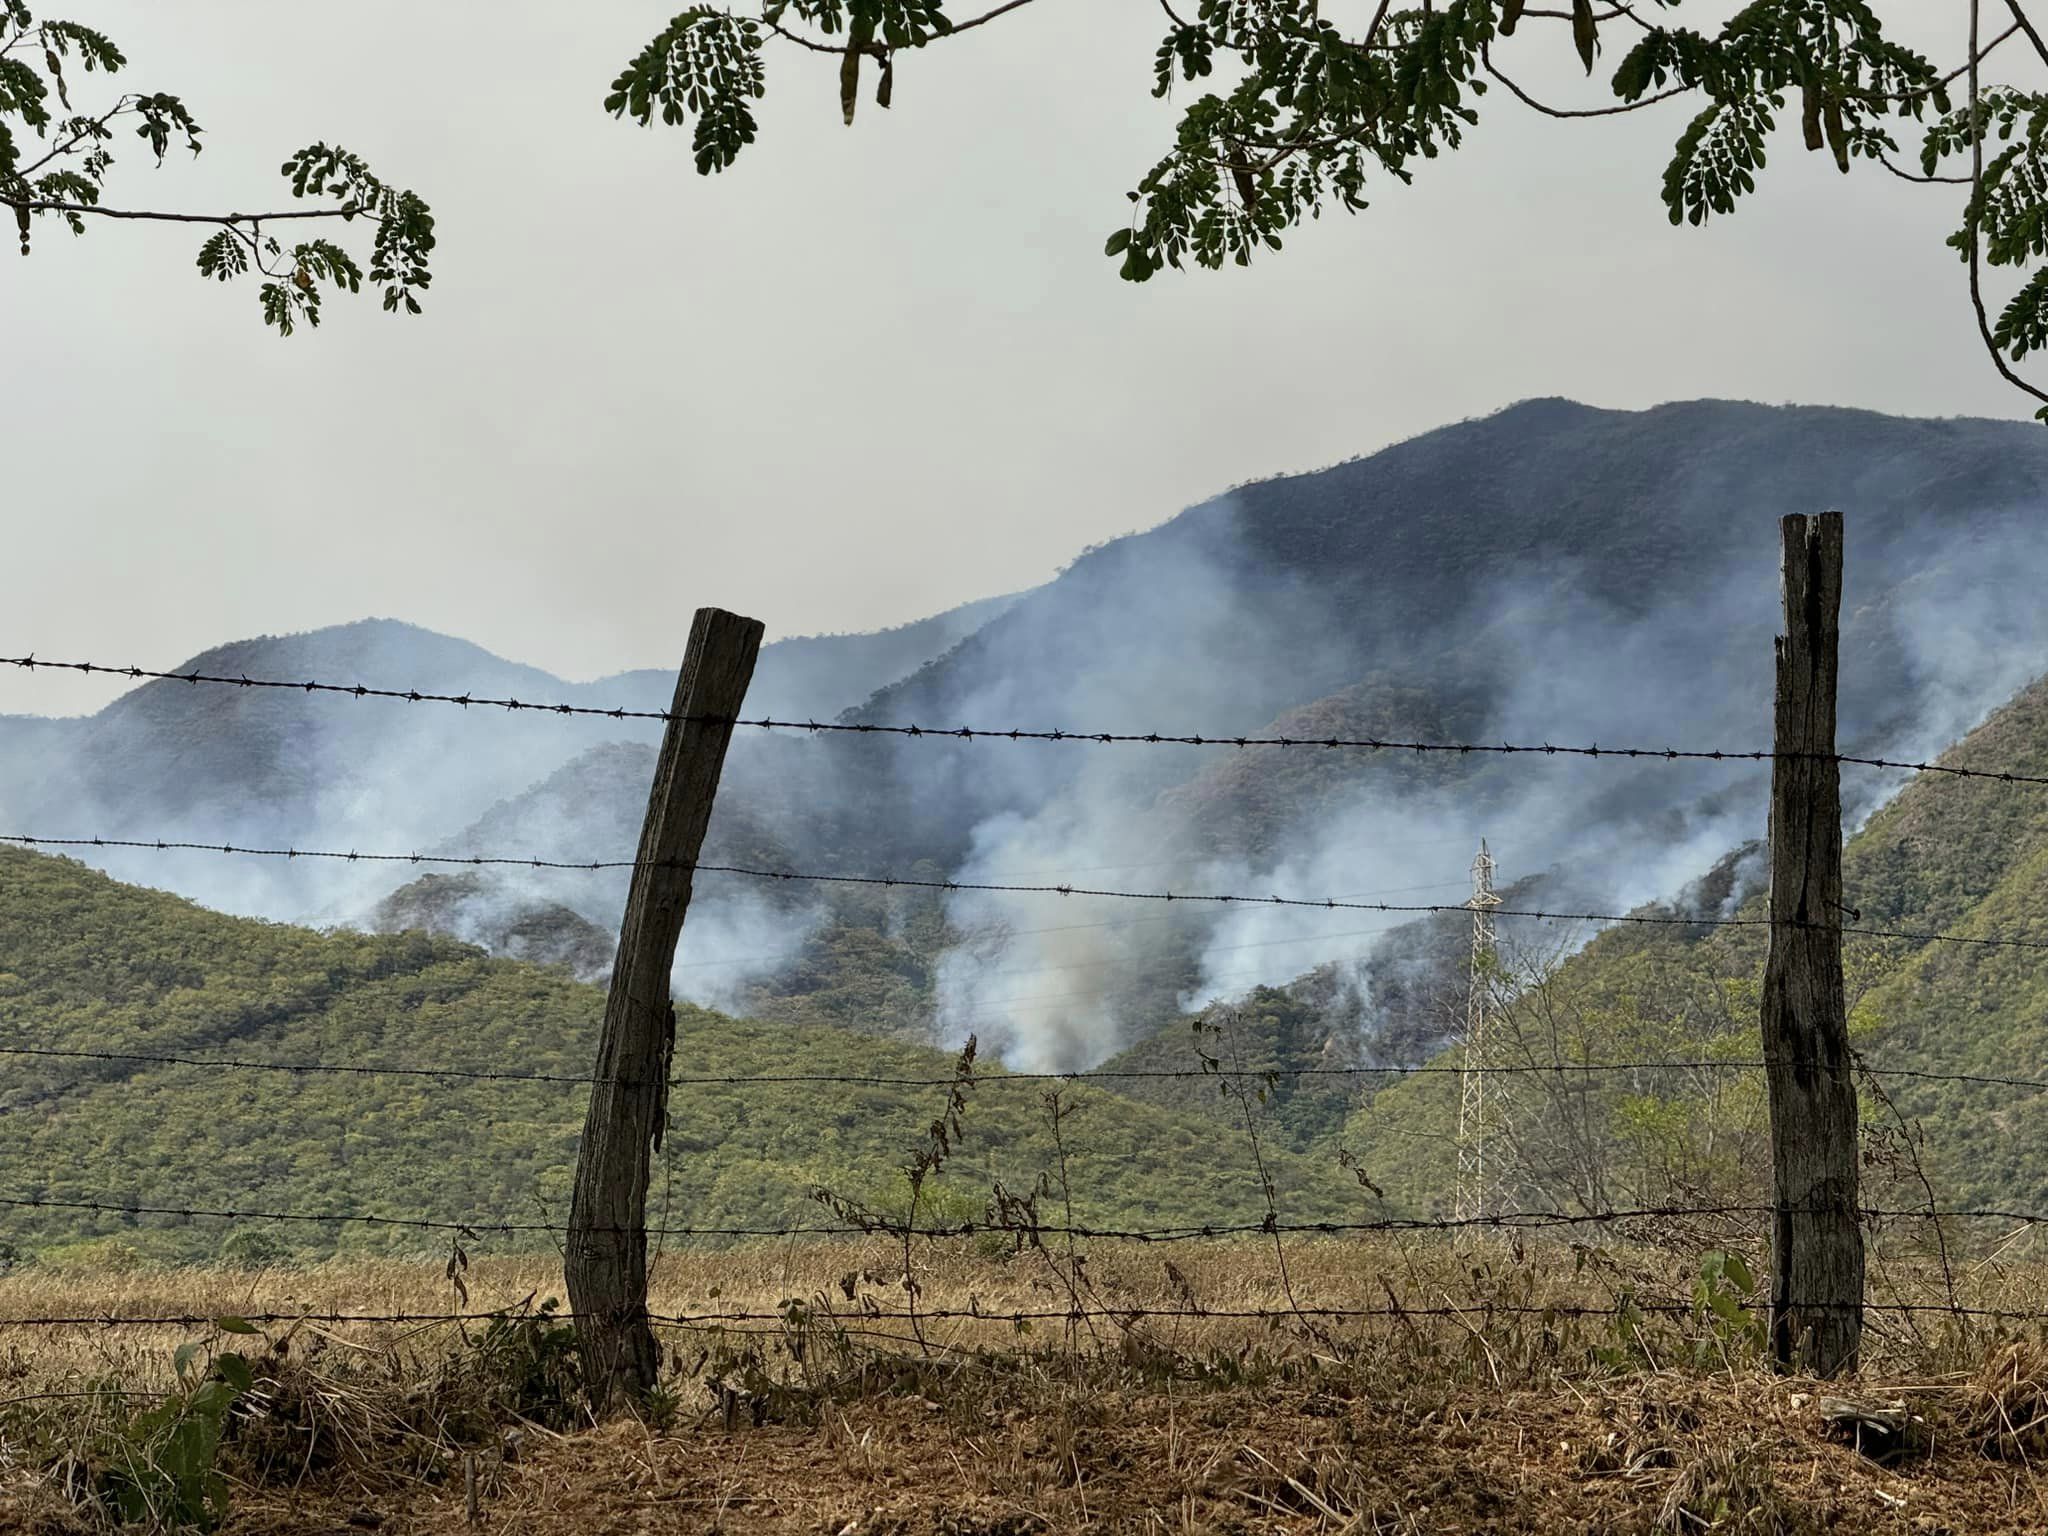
835 1418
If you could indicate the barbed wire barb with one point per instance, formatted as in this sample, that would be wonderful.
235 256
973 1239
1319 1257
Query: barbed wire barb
1667 754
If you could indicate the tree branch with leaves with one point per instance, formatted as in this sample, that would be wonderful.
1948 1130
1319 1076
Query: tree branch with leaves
55 160
1286 114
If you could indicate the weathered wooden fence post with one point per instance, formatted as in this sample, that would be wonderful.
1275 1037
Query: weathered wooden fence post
606 1255
1817 1236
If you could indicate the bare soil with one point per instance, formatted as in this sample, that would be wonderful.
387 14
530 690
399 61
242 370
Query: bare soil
848 1427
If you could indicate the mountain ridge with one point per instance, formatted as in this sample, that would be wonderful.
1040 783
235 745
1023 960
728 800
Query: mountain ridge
1555 572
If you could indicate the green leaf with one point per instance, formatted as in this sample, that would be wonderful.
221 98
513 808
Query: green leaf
1585 32
234 1325
1715 160
223 256
212 1399
705 63
95 48
2023 324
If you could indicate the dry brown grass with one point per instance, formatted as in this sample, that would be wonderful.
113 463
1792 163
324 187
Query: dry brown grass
2006 1403
836 1417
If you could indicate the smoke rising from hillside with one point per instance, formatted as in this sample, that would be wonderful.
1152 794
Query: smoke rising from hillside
1602 835
1354 604
1054 984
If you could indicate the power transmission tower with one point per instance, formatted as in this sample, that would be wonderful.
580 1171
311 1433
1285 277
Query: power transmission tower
1481 1105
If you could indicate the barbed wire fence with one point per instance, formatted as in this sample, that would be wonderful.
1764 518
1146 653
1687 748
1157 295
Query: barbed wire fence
941 733
1011 1219
903 882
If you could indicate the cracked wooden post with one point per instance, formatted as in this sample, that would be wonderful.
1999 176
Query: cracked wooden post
1817 1234
606 1255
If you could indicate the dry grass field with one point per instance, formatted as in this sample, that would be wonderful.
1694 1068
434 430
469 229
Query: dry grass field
1544 1388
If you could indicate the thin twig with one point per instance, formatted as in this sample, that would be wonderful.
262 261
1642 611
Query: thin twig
1984 53
801 41
1606 15
1976 214
73 142
986 17
2019 19
43 205
1903 174
1486 58
838 50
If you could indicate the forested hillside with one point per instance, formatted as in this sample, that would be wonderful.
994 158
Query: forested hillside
89 965
1552 573
1966 858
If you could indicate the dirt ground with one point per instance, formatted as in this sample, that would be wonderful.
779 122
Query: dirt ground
1658 1454
841 1423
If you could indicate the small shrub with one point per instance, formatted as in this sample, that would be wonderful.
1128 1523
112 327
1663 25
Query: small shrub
157 1467
249 1248
1721 1299
526 1365
93 1256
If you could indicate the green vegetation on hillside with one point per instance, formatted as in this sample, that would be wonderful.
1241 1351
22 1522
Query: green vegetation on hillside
91 965
1964 857
88 964
1269 1038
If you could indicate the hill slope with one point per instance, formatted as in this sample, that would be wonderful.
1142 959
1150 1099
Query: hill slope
1966 858
818 677
1551 573
264 766
91 965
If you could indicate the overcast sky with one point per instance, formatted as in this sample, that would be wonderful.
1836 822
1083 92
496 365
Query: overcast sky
867 374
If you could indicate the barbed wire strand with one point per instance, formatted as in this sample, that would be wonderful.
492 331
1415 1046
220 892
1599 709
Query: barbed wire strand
985 1079
1015 734
1500 1221
1012 1318
1198 898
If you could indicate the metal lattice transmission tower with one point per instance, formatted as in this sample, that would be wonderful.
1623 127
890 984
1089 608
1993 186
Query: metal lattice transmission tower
1482 1105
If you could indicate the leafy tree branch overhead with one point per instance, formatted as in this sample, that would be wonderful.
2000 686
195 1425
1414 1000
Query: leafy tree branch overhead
1284 113
56 158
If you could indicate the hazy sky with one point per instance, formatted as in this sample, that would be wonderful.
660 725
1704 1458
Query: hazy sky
867 374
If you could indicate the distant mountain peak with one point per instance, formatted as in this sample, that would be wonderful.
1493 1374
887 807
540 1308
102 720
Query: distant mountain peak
357 638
